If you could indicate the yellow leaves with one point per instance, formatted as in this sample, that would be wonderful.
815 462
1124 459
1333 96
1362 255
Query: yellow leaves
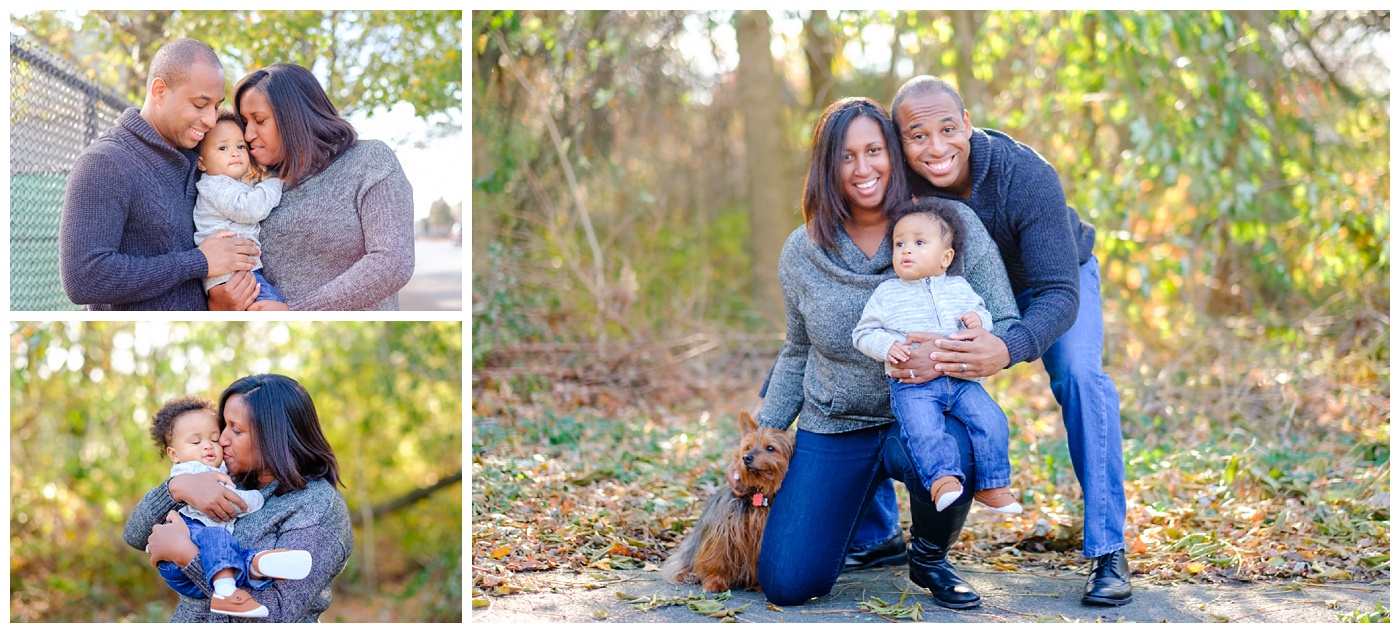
500 552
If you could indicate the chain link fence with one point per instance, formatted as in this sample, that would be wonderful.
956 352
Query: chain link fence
55 113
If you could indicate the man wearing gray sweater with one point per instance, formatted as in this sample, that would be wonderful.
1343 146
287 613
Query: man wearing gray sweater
126 237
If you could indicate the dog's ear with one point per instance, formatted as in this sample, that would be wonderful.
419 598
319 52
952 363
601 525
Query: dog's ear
746 423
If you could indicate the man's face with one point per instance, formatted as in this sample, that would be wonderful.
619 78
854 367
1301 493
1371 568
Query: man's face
185 113
937 138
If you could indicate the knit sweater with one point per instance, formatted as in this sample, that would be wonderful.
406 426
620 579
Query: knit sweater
1019 198
900 306
226 204
343 239
314 519
819 374
126 236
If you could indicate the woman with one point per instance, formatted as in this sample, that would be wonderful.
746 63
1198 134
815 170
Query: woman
342 237
272 443
847 438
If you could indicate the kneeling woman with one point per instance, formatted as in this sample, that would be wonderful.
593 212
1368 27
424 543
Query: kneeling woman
273 443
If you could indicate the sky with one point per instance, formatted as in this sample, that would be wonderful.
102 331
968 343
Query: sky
435 170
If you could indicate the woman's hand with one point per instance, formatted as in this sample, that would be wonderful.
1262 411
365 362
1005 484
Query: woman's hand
205 492
171 541
918 369
971 353
235 294
225 252
269 305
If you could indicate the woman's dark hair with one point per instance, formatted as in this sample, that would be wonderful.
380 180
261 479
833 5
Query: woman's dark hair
164 423
945 213
824 206
312 130
286 431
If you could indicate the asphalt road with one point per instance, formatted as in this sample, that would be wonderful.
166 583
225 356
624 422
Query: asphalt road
437 277
1033 596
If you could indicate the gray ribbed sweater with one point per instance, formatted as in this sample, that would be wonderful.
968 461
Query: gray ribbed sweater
126 236
314 519
343 239
819 374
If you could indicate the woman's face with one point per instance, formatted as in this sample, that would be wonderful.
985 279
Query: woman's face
240 449
264 140
865 166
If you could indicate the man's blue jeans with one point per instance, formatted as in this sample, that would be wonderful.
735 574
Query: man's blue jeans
1089 405
830 484
218 550
922 411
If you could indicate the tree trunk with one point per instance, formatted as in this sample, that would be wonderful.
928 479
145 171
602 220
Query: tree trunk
966 24
769 192
819 47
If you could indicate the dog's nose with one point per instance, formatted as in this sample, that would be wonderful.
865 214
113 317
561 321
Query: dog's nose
748 459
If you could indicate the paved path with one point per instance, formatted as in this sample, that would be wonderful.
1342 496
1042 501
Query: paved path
1006 597
437 276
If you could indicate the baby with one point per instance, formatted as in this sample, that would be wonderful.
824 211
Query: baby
226 202
187 431
922 298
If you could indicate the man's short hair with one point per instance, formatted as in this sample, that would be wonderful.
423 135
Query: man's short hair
922 86
174 59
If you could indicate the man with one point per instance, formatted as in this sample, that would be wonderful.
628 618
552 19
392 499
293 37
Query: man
126 238
1049 257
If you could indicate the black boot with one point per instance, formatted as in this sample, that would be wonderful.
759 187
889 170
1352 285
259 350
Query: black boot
1108 584
890 552
931 537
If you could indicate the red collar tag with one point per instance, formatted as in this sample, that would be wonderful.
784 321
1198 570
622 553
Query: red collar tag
759 500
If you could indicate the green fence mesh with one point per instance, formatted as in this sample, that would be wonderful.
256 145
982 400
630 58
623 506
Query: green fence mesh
55 114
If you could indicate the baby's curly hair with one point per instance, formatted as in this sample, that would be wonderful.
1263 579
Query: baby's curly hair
945 213
164 423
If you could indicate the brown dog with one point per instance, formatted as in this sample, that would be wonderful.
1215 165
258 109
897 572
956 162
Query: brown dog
722 551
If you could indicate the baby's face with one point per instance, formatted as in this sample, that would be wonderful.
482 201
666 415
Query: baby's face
921 249
195 438
223 152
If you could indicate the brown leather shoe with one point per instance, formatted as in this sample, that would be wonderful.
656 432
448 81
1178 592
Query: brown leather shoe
238 605
999 499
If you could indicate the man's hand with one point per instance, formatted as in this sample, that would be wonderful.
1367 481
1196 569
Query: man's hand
268 305
918 369
238 293
972 353
226 253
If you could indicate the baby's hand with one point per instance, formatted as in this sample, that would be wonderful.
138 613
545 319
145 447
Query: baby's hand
971 320
898 353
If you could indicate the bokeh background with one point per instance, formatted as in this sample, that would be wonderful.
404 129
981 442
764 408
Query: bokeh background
81 399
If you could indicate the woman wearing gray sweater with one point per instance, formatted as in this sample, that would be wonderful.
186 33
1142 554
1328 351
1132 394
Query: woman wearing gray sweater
273 443
847 442
342 236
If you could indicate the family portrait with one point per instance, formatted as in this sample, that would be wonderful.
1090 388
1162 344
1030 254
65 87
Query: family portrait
234 472
225 172
961 316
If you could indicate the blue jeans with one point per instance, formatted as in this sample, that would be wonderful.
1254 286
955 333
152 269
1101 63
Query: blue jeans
922 410
218 550
265 290
1089 404
830 484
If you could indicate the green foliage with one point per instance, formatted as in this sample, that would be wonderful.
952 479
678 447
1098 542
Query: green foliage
1381 614
372 59
82 395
